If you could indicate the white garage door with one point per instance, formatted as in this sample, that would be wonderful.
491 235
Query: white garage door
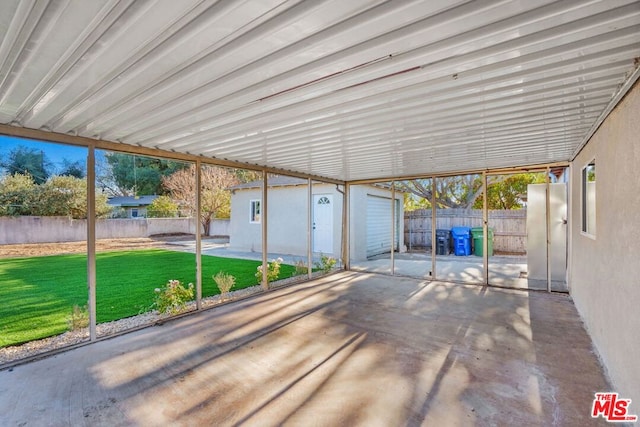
379 225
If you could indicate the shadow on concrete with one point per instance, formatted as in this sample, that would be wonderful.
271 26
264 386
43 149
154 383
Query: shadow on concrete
347 349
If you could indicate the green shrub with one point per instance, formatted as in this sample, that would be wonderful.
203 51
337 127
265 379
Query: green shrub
300 268
173 297
224 282
79 318
326 263
273 271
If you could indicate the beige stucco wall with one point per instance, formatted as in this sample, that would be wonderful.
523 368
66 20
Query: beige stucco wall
48 229
605 271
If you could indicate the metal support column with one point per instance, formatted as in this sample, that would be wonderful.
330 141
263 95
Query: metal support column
309 227
346 236
393 228
548 227
198 187
91 239
569 174
485 230
433 227
263 219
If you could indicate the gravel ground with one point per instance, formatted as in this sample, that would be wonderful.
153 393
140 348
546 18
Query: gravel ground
33 348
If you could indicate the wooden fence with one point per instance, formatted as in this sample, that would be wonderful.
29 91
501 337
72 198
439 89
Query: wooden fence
510 227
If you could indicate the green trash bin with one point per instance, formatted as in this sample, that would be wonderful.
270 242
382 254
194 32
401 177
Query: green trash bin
478 246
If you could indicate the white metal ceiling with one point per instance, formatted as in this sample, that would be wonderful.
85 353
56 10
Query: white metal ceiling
349 90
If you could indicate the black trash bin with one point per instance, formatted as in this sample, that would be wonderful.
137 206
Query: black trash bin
443 242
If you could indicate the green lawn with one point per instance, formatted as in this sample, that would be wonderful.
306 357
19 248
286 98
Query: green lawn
38 293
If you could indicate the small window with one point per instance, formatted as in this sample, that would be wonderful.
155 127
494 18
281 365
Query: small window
589 199
324 201
134 213
255 211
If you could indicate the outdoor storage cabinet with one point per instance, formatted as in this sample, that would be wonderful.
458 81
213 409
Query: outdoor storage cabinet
478 241
461 240
443 242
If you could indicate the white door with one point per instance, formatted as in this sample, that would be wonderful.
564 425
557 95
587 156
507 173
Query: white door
323 223
537 234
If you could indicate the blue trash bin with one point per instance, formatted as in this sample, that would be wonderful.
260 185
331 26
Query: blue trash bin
461 240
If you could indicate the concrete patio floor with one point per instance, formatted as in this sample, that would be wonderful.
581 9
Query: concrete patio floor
508 271
347 349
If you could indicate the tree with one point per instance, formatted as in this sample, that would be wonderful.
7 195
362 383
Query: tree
215 195
139 175
59 196
450 192
66 196
25 160
412 203
245 175
508 193
162 207
465 191
70 168
16 192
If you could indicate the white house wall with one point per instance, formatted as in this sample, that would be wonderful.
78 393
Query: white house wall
604 270
286 219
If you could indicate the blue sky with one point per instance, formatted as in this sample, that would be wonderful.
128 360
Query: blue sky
56 153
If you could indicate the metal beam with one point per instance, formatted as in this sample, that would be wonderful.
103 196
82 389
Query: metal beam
47 136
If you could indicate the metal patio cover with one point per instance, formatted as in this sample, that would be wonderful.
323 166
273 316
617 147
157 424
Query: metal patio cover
344 89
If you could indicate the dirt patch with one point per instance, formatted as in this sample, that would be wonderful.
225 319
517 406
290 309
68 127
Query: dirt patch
102 245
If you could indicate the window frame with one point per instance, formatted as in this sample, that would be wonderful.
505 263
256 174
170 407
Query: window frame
253 212
587 210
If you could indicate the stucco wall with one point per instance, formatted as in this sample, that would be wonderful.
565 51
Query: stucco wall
286 219
605 271
47 229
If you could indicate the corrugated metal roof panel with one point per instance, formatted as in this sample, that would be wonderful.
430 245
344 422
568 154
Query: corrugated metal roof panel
347 90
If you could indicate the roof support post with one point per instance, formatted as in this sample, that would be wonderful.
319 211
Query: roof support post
346 234
91 239
548 226
433 228
393 228
309 227
569 174
198 187
485 230
263 219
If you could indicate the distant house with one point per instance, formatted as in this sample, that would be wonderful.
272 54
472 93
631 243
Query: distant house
288 217
130 206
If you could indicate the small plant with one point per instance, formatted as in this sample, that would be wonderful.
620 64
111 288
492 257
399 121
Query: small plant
224 282
79 318
173 297
273 271
301 268
326 263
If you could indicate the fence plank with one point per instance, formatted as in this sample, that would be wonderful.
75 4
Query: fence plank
510 227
